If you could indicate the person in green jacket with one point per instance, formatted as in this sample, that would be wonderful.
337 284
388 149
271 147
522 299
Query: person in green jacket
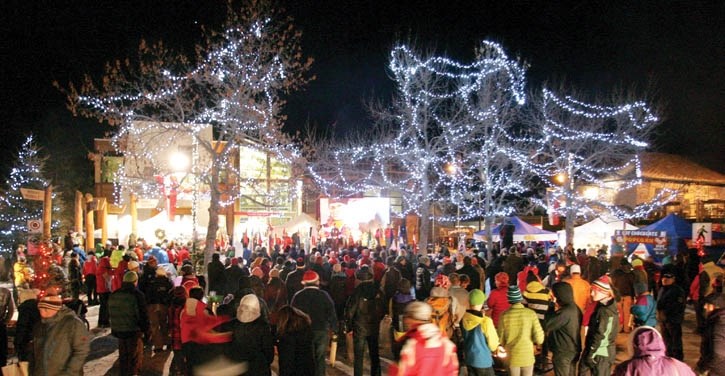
562 330
518 331
61 341
599 348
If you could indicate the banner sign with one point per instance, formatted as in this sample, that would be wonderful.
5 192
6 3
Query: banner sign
658 239
32 194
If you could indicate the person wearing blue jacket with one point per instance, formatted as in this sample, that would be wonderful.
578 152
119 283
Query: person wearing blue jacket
479 337
644 309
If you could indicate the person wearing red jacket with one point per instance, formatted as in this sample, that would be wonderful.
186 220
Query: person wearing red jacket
89 275
497 300
104 274
426 350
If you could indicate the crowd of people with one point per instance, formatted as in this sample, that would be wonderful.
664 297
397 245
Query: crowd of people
519 310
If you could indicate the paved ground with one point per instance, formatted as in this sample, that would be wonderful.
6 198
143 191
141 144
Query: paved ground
103 358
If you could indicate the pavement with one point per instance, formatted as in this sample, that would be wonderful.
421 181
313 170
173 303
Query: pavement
103 358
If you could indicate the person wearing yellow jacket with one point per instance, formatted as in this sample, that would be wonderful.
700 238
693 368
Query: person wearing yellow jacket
479 337
519 330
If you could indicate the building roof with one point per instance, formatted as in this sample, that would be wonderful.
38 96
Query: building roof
670 167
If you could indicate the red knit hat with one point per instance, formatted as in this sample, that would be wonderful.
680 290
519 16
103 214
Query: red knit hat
502 279
602 284
310 277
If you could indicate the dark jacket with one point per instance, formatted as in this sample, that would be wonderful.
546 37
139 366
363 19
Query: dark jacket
472 273
217 282
365 309
562 328
671 304
603 329
158 291
28 316
232 275
712 347
423 283
318 305
295 353
390 281
253 342
293 282
127 311
623 282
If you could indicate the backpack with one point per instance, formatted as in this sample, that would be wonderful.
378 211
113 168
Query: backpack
442 315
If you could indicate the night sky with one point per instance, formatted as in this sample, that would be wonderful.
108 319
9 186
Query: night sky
673 51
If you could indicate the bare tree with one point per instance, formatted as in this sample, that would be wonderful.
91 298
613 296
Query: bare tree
231 88
425 131
584 145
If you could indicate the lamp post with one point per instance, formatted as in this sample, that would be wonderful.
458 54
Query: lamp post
451 169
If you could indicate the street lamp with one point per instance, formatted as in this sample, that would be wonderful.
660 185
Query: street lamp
452 169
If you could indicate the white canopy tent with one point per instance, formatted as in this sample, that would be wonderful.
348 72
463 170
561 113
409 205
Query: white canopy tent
595 233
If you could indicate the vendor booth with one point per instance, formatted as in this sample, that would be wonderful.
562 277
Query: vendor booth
596 233
664 237
523 232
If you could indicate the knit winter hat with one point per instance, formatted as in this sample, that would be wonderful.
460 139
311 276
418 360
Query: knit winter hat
636 262
442 281
514 294
310 278
575 269
420 311
130 276
249 309
476 297
502 279
51 302
602 284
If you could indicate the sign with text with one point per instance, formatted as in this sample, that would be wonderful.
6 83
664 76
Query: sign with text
32 194
658 239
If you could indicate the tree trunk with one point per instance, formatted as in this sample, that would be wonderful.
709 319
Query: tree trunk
424 229
570 219
213 226
489 238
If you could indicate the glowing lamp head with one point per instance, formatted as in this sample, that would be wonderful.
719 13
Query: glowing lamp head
560 178
179 162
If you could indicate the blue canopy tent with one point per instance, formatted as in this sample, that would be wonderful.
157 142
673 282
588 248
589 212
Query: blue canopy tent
523 232
678 231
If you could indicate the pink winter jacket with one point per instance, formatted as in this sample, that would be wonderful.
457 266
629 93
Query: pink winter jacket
649 357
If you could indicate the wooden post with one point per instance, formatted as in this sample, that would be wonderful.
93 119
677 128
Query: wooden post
47 211
134 216
90 225
78 223
103 206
